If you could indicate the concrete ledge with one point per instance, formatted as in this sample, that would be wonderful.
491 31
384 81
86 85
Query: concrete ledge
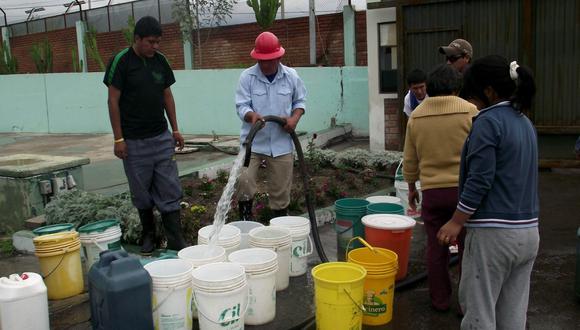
26 165
35 222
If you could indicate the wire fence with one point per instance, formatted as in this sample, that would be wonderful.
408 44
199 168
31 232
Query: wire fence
115 17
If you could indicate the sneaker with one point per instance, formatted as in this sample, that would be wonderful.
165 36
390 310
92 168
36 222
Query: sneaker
454 249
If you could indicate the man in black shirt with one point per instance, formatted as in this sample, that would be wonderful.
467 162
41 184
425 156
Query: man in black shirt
139 80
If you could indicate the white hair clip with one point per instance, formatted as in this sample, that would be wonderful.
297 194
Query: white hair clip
513 70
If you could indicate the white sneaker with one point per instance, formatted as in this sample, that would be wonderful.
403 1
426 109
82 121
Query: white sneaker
453 249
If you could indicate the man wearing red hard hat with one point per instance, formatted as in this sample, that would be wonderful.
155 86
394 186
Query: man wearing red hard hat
269 88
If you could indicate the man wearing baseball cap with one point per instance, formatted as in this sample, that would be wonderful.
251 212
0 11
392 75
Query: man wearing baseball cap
269 88
458 54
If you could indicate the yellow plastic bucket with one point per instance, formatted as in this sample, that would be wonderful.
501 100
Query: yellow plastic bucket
379 286
60 263
338 295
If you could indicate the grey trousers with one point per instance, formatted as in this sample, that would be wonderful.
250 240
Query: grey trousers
495 279
152 173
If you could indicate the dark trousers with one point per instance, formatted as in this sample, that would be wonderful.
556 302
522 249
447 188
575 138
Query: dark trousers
438 206
152 173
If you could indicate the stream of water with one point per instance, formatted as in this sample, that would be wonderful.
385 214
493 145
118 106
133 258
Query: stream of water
225 202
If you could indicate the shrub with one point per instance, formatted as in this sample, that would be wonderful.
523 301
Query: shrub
80 208
355 158
383 160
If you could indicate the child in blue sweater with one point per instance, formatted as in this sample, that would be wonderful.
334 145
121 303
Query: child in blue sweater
498 198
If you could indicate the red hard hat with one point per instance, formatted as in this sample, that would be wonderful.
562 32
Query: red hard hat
267 47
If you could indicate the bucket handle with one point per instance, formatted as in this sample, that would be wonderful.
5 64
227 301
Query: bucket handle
360 306
66 250
398 167
94 241
232 319
365 243
164 299
311 245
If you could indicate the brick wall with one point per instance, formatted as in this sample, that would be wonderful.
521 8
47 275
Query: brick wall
393 137
226 47
61 41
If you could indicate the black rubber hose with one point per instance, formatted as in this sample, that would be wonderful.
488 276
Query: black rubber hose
307 192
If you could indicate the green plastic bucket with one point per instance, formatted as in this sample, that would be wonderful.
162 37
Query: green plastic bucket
385 208
349 212
52 229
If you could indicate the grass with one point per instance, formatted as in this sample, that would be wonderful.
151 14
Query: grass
6 247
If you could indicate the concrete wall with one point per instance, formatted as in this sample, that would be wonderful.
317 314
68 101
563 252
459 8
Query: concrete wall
377 100
77 102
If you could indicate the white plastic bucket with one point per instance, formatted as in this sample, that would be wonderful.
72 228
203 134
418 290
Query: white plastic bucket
172 293
220 292
94 239
402 191
20 298
261 266
245 227
229 237
202 254
279 240
384 199
301 242
199 255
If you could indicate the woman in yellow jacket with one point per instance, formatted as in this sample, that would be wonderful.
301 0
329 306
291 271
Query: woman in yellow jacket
435 135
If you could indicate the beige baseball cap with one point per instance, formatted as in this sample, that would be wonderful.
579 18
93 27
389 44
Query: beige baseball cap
457 47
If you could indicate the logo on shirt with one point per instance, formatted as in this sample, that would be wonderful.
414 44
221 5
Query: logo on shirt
157 77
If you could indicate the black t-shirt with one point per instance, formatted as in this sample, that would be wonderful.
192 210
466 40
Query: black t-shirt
141 82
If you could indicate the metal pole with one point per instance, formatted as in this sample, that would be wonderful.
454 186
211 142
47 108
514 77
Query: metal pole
80 8
282 9
312 30
5 20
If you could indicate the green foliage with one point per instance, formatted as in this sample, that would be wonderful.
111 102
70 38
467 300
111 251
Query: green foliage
383 160
318 158
360 159
265 11
42 56
8 63
80 208
222 176
6 247
193 15
207 187
263 211
77 67
92 48
355 158
128 32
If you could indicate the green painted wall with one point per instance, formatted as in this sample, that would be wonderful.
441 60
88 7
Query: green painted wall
77 102
23 103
